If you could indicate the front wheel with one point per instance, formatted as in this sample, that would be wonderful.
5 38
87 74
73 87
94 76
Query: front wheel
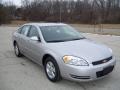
52 70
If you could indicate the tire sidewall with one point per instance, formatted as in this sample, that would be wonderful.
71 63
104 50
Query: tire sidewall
19 54
57 71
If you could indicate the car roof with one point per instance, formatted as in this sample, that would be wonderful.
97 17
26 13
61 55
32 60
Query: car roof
45 24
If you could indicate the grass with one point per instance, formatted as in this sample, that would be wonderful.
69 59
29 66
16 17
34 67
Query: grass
105 26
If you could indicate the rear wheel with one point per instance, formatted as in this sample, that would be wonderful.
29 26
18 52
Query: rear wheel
17 51
52 70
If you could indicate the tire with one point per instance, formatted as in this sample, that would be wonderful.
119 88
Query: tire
56 77
17 50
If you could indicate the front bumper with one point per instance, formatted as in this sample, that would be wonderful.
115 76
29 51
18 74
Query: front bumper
87 73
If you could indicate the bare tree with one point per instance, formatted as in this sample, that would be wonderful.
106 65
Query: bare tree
80 11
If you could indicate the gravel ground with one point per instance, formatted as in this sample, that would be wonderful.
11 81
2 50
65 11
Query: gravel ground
23 74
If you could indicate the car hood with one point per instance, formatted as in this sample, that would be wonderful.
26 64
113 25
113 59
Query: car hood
83 48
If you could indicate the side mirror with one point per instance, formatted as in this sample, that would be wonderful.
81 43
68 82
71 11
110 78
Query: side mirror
35 38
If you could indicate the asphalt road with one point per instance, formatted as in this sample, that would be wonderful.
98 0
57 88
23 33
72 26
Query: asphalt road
23 74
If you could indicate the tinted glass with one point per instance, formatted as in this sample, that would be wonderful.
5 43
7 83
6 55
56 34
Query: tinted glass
19 30
24 30
60 33
33 32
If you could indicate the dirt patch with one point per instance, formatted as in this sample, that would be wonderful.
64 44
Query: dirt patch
22 63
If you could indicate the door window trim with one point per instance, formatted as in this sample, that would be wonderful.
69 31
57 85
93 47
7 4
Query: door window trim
36 29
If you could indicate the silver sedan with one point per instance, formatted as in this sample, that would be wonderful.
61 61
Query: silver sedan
63 52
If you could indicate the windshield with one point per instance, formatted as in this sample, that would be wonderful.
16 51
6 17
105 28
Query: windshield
60 33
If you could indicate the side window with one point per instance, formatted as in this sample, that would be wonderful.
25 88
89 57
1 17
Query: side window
24 30
19 30
33 32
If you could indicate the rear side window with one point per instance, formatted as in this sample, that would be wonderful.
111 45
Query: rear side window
24 30
19 30
33 32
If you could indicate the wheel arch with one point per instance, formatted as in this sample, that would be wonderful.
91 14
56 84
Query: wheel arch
14 42
58 67
44 58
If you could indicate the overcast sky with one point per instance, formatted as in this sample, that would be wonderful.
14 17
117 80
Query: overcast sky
16 2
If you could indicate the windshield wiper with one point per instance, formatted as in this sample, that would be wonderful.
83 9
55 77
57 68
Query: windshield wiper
78 38
66 40
56 41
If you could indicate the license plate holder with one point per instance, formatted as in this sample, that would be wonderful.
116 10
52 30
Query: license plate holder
105 71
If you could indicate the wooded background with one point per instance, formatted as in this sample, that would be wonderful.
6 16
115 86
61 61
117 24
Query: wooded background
70 11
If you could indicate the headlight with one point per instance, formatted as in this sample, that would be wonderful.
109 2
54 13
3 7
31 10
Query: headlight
72 60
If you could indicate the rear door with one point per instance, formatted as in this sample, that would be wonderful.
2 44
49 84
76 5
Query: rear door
23 38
